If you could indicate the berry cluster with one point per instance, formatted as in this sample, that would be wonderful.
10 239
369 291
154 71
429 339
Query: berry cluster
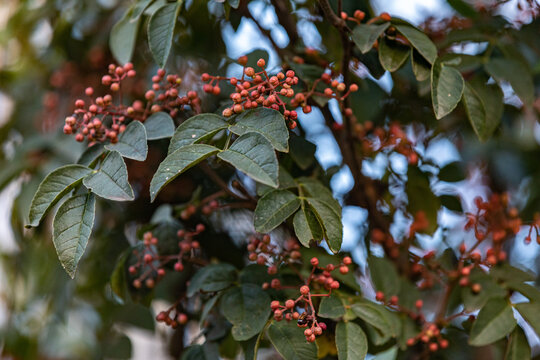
302 309
167 317
150 265
258 88
101 119
263 252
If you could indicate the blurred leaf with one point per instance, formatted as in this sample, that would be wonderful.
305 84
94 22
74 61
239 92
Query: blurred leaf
463 8
383 275
266 122
392 54
118 276
201 352
490 289
493 323
421 197
290 342
123 37
516 73
302 151
419 41
177 162
211 278
138 8
252 154
451 202
132 142
72 227
111 180
195 129
273 209
351 341
452 172
364 35
55 186
446 88
208 306
518 346
159 125
531 313
247 308
161 30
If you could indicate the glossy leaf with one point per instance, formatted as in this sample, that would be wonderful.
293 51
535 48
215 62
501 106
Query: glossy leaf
161 30
177 162
351 341
266 122
247 308
446 88
419 41
159 125
252 154
111 180
132 142
72 227
493 323
123 37
364 35
290 342
273 209
330 221
57 184
306 226
213 277
392 54
197 128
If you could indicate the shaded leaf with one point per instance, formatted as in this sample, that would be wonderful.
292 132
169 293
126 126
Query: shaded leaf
111 180
446 88
123 37
213 277
531 313
72 227
452 172
90 154
197 128
383 275
159 125
484 106
518 347
493 323
514 72
273 209
392 54
351 341
374 315
330 221
364 35
160 31
421 67
266 122
302 151
132 142
306 226
421 197
451 202
290 342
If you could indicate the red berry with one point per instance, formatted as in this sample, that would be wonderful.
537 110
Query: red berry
261 63
347 260
274 305
289 304
304 290
182 318
385 16
314 261
334 285
419 304
178 267
379 296
343 269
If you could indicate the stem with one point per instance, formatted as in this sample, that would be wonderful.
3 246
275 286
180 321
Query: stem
256 350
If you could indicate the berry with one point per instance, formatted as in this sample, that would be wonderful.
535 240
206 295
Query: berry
261 63
289 304
347 260
385 16
178 267
334 285
314 261
304 290
419 304
394 300
182 318
343 269
379 296
274 305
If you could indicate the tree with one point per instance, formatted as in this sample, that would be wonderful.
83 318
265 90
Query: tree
187 177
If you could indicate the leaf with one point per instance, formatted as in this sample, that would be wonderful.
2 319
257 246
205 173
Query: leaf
118 277
451 202
302 151
139 8
421 67
72 226
383 275
419 41
90 154
160 31
516 73
518 347
330 221
252 154
421 197
317 190
208 306
452 172
200 352
392 54
159 125
490 290
57 184
132 142
331 307
446 88
123 37
266 122
290 342
374 315
484 106
211 278
531 313
273 209
364 35
351 341
111 180
176 163
507 272
306 226
493 323
195 129
247 308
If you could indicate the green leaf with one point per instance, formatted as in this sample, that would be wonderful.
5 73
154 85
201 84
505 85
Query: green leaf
451 202
421 67
290 342
452 172
529 291
330 221
176 163
132 142
207 351
252 154
518 347
247 308
507 272
208 306
516 73
446 88
123 37
302 151
306 226
118 277
111 181
285 181
211 278
72 227
531 313
266 122
493 323
317 190
484 106
160 31
57 184
364 35
139 8
421 197
331 307
419 41
90 154
273 209
374 315
197 128
392 54
159 125
351 341
383 275
490 290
